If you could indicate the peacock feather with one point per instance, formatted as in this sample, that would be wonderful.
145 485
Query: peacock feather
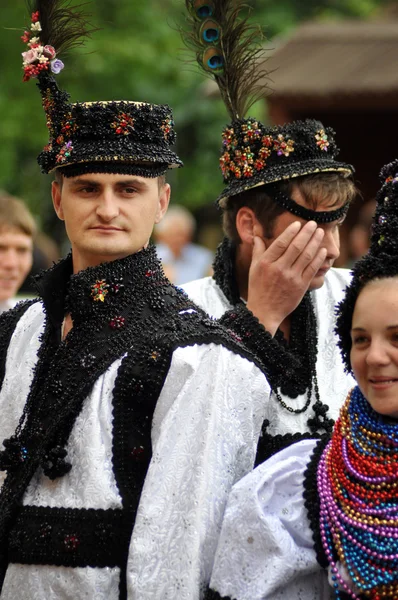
228 47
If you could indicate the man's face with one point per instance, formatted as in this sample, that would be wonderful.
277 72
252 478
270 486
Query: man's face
331 240
108 216
16 249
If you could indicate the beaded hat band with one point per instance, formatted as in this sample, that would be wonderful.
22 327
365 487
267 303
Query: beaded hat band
325 216
137 135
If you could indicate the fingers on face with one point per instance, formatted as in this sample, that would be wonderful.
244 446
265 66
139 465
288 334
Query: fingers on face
310 250
313 267
280 246
303 246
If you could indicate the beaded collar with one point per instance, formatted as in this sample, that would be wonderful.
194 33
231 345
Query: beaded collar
357 486
97 291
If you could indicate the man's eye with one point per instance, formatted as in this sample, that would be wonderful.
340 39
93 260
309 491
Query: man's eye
129 190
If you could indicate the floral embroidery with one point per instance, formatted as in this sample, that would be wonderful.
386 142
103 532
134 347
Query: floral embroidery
99 290
64 153
117 322
167 127
123 124
251 131
322 140
282 146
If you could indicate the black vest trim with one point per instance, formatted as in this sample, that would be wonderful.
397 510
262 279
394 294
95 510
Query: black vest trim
8 322
68 537
148 319
212 595
311 499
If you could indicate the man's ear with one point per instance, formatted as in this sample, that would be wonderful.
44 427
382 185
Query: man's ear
247 225
56 192
164 199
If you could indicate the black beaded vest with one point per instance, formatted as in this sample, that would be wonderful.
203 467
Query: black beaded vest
125 310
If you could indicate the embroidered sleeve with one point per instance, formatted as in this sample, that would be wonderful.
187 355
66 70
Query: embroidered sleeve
204 435
276 362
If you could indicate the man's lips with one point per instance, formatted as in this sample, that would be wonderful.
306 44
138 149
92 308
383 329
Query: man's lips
323 270
106 228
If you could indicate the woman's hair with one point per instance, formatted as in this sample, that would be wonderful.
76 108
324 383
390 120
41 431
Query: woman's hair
380 262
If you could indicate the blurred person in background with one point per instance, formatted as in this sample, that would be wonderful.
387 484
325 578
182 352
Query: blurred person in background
182 260
359 237
17 231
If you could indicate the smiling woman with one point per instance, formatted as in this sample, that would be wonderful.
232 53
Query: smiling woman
374 352
321 517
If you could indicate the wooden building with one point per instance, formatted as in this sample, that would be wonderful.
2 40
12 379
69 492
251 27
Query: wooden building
346 75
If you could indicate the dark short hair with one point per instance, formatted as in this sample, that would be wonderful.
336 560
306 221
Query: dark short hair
315 189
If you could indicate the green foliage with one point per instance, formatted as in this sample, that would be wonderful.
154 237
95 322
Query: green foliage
137 54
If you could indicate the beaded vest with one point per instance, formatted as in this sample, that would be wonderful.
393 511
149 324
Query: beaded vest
124 309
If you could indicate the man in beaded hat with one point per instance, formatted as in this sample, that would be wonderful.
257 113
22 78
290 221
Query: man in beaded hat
284 200
127 414
320 518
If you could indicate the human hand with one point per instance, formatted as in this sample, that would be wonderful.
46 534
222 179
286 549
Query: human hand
280 275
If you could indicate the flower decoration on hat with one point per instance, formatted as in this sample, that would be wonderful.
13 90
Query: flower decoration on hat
38 57
123 124
114 136
283 146
322 140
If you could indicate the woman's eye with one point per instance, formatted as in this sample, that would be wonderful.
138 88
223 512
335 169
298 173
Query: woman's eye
358 340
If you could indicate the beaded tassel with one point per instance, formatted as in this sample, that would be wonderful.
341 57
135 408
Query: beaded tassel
357 485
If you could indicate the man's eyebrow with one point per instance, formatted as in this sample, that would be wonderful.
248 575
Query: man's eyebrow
84 181
132 181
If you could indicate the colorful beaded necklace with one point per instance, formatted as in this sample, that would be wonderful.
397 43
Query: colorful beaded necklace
357 485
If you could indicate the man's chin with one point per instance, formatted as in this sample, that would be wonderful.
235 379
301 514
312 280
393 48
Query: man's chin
317 282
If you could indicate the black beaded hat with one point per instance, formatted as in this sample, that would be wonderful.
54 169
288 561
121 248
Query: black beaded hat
381 261
228 47
114 136
255 155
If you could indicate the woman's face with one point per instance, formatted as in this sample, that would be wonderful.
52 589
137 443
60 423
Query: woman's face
374 352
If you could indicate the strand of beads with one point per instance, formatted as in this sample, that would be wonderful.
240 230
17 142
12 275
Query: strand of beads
357 484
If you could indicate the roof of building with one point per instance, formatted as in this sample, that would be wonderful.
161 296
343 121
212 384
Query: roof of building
339 58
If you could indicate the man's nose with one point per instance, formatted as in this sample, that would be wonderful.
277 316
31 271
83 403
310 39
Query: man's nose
331 242
107 208
9 259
